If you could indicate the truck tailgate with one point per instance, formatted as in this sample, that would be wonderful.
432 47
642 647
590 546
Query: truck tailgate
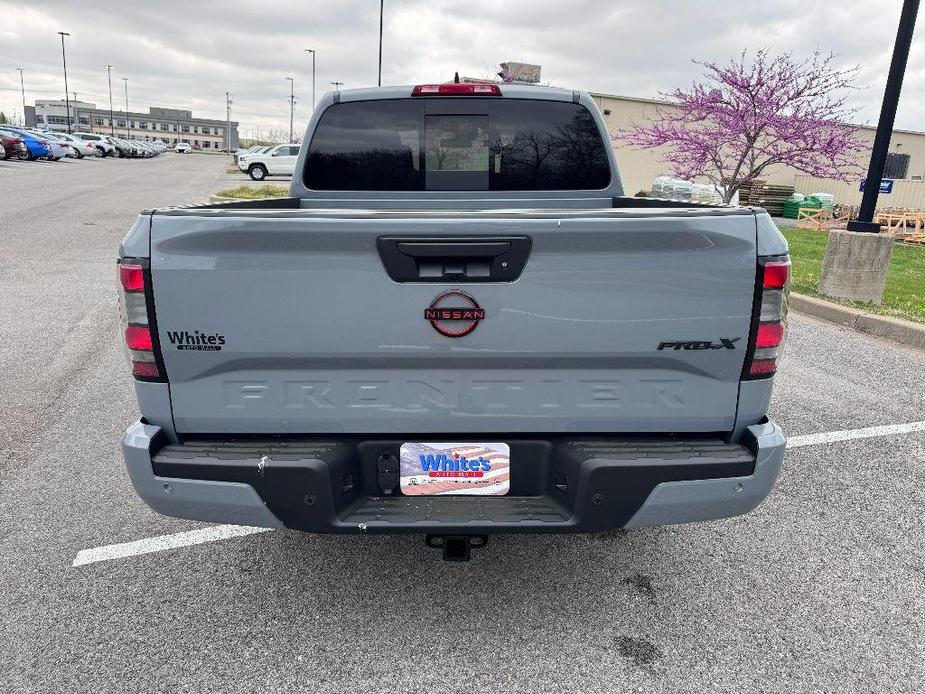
288 322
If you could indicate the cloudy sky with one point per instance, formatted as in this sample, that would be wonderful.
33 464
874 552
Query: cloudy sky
187 54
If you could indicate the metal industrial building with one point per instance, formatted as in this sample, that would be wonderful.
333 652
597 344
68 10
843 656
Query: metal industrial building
638 168
168 124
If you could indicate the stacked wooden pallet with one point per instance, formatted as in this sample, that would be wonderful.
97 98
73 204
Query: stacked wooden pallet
907 226
820 219
760 193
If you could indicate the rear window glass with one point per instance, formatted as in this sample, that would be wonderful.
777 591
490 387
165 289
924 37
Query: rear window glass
457 144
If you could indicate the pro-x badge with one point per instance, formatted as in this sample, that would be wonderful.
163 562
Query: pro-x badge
454 314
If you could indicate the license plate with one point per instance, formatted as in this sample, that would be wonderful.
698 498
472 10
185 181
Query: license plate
478 469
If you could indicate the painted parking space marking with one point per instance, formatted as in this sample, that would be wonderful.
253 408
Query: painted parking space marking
163 542
852 434
225 532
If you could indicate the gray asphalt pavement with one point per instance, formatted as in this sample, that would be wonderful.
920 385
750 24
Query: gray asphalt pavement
822 589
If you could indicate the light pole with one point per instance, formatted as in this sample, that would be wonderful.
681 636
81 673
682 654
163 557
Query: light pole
291 104
857 259
381 10
894 84
128 134
22 87
112 123
312 51
228 103
67 103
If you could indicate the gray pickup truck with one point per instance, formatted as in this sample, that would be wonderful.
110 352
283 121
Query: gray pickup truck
455 325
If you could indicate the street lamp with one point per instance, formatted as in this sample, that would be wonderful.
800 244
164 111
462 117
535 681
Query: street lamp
312 51
291 104
67 103
22 86
381 10
894 84
112 123
128 134
857 259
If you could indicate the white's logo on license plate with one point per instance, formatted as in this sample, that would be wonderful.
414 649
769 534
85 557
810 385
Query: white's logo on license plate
455 468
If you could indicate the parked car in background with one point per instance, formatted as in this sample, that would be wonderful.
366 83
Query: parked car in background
60 148
278 160
120 147
36 147
250 150
101 142
183 148
82 148
12 147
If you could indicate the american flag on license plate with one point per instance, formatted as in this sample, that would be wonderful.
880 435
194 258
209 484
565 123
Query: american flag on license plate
437 469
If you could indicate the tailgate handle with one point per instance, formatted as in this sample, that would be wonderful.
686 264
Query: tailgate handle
495 259
454 249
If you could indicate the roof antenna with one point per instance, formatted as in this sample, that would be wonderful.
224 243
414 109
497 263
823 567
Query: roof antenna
456 78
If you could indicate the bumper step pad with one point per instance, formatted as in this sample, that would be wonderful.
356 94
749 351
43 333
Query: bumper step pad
456 511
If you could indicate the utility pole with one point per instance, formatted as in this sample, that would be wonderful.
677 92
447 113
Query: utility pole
228 103
312 51
112 123
337 86
381 10
128 134
67 103
894 84
291 104
22 87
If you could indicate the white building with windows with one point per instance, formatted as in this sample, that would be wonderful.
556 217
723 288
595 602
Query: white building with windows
167 124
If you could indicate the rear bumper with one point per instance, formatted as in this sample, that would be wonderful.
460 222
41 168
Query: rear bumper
562 486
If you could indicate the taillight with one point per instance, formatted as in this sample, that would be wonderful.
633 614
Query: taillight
457 89
769 319
138 329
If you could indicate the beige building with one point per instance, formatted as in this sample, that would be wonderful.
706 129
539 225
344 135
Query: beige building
168 124
639 167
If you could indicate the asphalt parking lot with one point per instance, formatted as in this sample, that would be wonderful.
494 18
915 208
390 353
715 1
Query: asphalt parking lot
821 589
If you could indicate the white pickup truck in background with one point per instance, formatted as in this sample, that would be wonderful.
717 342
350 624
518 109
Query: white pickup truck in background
275 161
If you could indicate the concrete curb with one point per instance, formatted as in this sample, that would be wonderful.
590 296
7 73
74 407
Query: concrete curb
901 331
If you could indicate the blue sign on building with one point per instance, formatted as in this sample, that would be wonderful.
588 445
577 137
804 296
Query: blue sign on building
886 185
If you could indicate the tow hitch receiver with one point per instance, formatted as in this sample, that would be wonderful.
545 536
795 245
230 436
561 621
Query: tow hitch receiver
456 547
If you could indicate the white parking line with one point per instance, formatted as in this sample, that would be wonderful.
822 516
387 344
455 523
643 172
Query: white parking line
851 434
224 532
162 542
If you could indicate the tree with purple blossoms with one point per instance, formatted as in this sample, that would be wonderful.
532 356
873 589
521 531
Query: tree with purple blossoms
748 116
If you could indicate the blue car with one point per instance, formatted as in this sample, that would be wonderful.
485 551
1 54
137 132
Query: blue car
37 147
